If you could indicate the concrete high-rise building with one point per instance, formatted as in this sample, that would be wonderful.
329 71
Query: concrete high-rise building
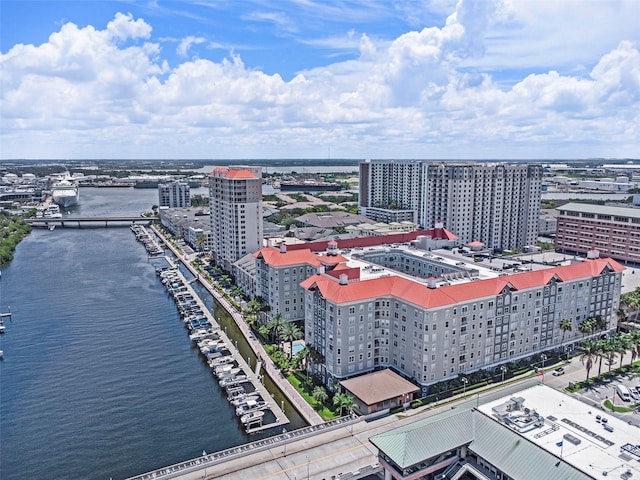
390 190
174 195
496 204
235 196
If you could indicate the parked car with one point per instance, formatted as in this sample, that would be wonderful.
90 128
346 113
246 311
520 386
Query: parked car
634 394
558 371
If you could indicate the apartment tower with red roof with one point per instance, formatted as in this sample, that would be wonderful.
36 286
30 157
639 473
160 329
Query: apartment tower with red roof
235 195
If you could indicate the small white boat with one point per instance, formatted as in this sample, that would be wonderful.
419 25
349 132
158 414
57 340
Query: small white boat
251 406
226 381
244 398
229 373
252 417
223 360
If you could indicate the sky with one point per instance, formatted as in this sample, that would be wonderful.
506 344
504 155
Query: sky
318 79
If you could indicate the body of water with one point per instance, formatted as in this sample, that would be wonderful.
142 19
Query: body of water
99 379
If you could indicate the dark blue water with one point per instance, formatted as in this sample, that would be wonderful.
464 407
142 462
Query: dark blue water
99 378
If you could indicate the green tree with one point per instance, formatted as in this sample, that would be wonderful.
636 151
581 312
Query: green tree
201 241
566 326
588 353
290 332
342 400
320 395
585 327
622 343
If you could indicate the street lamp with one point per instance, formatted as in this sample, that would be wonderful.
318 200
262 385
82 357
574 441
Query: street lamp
503 370
544 358
464 385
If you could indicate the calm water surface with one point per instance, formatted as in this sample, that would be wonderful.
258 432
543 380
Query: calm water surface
99 379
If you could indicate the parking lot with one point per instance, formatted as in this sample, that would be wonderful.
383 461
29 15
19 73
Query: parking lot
574 372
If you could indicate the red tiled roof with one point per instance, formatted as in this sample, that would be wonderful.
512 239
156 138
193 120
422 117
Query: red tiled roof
420 295
272 256
236 173
233 173
476 243
377 240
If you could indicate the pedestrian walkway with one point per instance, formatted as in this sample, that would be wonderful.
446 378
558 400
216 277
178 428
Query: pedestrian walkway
299 403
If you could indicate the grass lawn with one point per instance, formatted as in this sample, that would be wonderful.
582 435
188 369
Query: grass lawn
608 405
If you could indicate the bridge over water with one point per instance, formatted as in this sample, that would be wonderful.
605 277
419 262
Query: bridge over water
92 222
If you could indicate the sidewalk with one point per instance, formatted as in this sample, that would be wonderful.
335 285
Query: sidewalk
300 404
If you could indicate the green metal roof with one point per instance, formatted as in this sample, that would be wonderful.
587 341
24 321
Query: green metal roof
517 456
505 449
413 443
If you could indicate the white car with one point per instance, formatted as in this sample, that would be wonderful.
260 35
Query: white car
558 371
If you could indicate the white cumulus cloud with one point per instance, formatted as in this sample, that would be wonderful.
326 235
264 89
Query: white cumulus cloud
429 93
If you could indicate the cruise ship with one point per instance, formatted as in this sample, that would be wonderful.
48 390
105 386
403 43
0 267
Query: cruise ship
66 192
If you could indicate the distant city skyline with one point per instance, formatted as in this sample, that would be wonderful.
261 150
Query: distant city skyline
445 79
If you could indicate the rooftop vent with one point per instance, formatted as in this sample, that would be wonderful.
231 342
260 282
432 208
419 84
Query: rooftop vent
344 279
283 248
591 254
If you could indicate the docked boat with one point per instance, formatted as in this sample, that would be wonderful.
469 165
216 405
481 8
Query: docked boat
230 372
252 417
251 406
66 192
243 398
226 381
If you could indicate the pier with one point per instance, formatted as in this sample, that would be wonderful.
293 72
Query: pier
248 375
79 222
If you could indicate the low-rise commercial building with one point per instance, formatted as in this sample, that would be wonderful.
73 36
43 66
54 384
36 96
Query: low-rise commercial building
539 433
613 231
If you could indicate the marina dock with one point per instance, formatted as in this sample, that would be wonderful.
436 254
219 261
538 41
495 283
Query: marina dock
217 347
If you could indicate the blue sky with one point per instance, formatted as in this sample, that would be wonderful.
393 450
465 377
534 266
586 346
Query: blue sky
310 79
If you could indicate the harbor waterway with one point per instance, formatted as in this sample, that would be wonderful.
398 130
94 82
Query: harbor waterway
99 378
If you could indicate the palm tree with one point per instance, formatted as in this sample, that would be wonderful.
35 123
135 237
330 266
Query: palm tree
320 395
585 327
602 346
276 323
609 351
253 307
225 281
343 401
201 241
566 325
622 344
236 291
588 352
634 338
599 323
289 332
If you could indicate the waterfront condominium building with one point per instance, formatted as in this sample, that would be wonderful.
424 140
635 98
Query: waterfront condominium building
235 196
361 319
496 204
174 195
614 231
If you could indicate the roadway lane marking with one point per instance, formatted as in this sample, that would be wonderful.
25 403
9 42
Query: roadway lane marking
302 465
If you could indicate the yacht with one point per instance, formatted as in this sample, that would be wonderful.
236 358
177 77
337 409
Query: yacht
252 417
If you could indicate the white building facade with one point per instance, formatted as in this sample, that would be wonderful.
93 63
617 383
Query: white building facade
235 196
174 195
497 204
431 334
